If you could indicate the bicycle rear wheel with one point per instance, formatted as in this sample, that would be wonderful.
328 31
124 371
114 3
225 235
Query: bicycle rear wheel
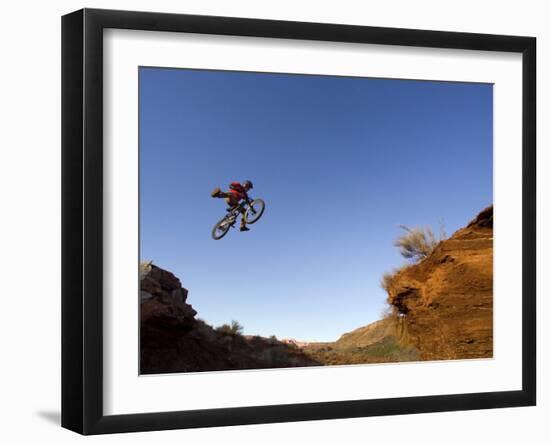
221 228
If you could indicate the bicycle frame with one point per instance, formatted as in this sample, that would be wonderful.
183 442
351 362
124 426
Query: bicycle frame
234 212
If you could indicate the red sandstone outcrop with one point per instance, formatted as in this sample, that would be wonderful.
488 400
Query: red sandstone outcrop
446 300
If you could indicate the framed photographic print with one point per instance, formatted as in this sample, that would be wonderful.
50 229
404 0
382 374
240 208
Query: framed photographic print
269 221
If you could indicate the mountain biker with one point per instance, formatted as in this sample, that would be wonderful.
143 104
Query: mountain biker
237 192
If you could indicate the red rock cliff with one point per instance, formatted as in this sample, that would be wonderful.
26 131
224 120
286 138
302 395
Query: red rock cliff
447 298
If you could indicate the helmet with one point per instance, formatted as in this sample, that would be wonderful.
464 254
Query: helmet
249 184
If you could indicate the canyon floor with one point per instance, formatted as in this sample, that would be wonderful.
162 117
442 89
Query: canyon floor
441 309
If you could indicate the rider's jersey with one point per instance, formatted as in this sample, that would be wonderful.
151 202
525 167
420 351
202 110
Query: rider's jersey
237 191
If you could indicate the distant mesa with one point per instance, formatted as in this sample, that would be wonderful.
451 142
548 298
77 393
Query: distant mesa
296 343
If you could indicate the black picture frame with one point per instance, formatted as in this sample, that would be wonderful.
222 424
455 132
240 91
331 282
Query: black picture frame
82 215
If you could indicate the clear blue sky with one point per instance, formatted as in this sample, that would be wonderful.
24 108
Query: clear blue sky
340 162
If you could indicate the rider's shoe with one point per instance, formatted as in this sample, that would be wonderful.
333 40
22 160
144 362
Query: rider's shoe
244 228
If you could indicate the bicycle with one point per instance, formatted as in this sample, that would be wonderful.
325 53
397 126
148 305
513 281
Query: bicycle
254 209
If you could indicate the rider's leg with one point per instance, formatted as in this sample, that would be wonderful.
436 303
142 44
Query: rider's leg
231 203
218 193
234 204
243 222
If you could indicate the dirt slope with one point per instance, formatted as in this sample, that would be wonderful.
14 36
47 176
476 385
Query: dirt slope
380 342
366 335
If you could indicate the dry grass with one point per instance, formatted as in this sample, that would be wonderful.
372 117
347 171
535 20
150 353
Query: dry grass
387 277
417 243
386 280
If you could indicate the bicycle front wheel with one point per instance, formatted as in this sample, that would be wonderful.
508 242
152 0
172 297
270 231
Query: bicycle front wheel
254 211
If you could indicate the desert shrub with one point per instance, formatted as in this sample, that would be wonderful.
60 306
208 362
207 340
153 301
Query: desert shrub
386 280
235 328
389 312
387 277
224 329
145 268
417 243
